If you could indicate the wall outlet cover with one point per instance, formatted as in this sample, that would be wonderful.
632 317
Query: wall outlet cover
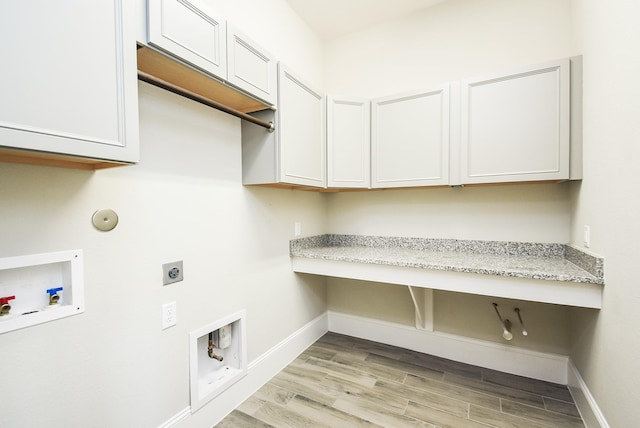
169 315
172 272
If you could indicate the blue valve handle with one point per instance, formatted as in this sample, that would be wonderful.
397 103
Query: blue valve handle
53 291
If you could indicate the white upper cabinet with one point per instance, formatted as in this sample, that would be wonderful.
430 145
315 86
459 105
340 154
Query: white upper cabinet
516 126
301 128
250 66
68 83
295 154
410 139
189 30
348 143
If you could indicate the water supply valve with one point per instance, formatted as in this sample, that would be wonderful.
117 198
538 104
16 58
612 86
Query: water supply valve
54 297
5 307
212 346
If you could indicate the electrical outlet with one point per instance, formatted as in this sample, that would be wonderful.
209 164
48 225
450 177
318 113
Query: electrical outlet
587 236
169 315
297 228
172 272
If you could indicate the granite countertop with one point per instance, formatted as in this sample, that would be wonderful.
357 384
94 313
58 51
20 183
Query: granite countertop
554 262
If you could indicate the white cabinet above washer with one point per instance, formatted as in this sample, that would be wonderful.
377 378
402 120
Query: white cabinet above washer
410 139
190 32
348 142
250 66
68 85
516 126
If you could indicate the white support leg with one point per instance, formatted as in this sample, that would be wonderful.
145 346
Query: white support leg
423 302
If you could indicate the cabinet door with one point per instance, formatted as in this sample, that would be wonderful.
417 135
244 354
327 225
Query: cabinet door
251 67
410 139
69 85
301 132
348 142
190 31
515 127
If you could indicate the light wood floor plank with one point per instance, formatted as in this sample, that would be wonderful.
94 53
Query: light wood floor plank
237 419
440 418
341 381
339 340
318 394
377 396
540 415
546 389
564 407
342 371
376 414
318 352
453 392
250 405
495 390
501 420
306 370
367 366
443 365
321 413
282 417
274 394
441 402
406 367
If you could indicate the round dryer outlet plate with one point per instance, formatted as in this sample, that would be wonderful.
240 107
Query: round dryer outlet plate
105 219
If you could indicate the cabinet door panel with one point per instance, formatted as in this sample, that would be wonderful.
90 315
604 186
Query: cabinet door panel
348 143
301 132
516 127
190 31
68 85
251 67
410 139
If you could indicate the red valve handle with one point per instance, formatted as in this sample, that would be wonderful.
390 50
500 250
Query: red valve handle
5 300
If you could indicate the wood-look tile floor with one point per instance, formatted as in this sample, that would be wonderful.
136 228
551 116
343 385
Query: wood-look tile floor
341 381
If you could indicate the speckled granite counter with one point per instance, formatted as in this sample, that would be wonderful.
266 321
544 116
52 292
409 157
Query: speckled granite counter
516 259
417 261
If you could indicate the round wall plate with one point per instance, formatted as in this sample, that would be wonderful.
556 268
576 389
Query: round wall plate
105 219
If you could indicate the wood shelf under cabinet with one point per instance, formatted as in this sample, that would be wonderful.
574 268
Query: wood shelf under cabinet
358 189
32 157
179 74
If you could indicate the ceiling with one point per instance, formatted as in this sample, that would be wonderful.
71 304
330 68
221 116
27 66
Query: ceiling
334 18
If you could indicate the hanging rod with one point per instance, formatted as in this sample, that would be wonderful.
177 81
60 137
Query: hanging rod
148 78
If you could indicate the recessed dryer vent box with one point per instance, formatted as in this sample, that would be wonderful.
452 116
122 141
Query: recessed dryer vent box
218 358
39 288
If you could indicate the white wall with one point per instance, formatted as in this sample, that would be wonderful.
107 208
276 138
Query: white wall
606 343
452 40
113 366
279 29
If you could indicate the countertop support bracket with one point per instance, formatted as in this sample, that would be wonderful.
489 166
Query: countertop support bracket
423 303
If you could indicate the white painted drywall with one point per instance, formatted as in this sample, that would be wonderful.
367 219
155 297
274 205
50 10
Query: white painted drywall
606 343
113 366
449 41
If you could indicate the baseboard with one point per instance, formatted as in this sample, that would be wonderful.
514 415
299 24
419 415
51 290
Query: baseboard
545 366
586 404
259 372
178 417
508 359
